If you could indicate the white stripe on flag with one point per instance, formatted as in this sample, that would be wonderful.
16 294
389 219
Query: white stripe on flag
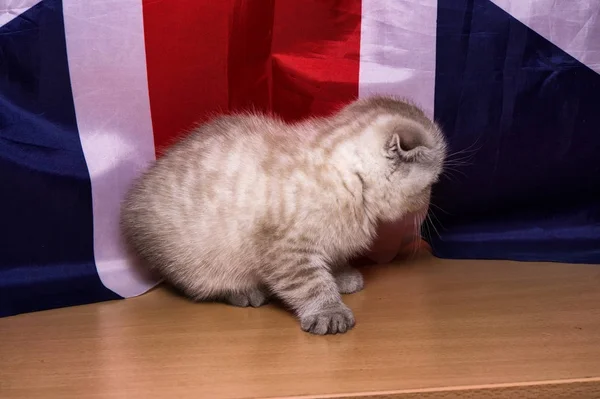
573 26
11 9
397 50
107 64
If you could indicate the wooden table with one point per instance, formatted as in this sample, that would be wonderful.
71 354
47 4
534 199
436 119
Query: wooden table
429 328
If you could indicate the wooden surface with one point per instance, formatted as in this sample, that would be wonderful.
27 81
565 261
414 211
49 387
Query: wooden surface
429 328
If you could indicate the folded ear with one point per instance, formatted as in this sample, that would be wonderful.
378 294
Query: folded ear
393 145
408 148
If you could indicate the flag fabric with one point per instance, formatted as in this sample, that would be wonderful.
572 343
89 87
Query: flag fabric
91 91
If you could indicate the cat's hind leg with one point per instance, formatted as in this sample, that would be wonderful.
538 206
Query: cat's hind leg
254 297
349 280
252 294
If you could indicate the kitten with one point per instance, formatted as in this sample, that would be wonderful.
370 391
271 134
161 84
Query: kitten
248 206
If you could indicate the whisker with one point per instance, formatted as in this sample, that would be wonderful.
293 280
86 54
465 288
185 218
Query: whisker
418 232
470 147
437 219
430 238
429 235
464 155
440 208
452 169
433 226
457 163
450 177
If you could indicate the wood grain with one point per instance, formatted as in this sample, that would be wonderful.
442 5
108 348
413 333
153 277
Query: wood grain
425 328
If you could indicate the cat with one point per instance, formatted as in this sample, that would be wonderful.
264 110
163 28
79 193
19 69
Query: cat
248 206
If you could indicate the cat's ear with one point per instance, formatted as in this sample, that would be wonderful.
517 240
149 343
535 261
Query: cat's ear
393 147
408 150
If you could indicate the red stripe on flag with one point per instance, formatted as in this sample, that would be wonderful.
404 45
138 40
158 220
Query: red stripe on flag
249 70
315 56
296 58
186 57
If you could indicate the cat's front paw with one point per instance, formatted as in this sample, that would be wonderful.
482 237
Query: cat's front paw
336 319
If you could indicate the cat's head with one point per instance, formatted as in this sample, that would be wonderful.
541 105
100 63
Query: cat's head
401 154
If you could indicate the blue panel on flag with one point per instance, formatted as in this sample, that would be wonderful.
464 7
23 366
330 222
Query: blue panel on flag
46 248
524 118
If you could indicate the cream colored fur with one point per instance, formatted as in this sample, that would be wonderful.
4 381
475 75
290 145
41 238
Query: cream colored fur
247 206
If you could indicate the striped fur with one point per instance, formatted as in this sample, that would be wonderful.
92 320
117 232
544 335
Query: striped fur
248 206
